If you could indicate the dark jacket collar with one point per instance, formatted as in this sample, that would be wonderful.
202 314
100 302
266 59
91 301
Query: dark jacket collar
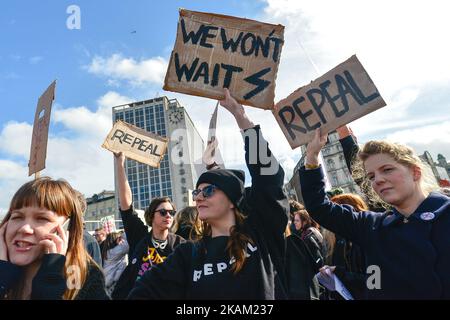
428 210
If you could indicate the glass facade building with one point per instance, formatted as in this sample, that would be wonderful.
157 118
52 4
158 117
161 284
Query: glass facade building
147 182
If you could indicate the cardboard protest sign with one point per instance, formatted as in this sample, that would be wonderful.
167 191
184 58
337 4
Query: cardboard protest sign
215 51
340 96
38 151
108 223
136 143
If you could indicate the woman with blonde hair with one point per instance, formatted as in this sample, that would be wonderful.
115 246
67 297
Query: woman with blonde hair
408 247
241 250
38 258
186 224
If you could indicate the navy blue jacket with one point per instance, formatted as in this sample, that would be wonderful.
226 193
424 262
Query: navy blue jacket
413 257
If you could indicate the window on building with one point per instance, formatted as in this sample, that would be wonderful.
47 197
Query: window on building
331 164
334 179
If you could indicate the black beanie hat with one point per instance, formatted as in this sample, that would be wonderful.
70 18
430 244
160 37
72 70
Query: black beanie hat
231 182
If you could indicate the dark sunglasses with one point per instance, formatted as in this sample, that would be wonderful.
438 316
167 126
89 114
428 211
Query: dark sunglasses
206 191
163 212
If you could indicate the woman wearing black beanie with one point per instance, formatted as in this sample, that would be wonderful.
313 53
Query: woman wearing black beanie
240 253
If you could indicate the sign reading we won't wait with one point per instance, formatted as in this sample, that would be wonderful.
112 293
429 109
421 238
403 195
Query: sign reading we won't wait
340 96
214 51
136 143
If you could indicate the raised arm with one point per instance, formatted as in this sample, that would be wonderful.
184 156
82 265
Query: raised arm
265 197
341 219
125 196
135 229
349 145
237 110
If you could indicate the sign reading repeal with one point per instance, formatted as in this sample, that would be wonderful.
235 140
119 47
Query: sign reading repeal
214 51
136 143
340 96
38 151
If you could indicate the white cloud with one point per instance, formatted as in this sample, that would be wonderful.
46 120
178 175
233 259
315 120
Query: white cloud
16 138
117 67
406 59
85 122
12 176
397 51
35 59
11 169
434 138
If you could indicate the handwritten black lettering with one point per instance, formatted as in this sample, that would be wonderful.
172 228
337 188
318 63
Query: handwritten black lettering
128 138
260 84
118 134
229 74
304 115
227 43
244 45
192 36
184 70
317 106
288 124
358 91
207 35
215 77
202 71
136 141
264 46
143 145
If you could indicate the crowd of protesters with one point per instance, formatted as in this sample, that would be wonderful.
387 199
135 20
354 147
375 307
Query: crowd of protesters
240 242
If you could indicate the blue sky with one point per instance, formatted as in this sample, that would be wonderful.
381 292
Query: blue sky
36 47
400 43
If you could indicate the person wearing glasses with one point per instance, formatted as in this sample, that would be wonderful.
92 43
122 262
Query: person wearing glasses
240 252
146 249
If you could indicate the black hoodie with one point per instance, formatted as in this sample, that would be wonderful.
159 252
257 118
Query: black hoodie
202 270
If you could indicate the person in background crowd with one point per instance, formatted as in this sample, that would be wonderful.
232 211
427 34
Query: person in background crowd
146 249
186 224
89 241
241 250
343 257
100 235
38 258
303 255
114 258
409 245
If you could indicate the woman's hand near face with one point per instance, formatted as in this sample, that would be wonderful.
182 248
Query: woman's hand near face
3 247
56 242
